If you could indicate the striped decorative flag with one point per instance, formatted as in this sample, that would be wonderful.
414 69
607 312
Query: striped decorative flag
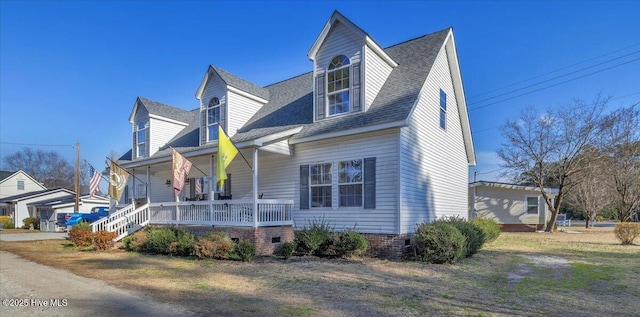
181 168
198 188
94 182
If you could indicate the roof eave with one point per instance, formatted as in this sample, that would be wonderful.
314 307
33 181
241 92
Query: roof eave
336 16
371 128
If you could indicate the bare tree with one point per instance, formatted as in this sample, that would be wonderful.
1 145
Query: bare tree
47 167
589 193
622 154
551 145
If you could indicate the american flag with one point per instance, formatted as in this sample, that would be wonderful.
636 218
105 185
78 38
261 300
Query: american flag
94 182
198 188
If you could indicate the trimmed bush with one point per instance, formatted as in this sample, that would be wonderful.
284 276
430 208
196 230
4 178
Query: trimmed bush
474 237
29 221
626 232
81 234
183 244
489 228
9 225
350 243
215 245
287 249
136 242
245 250
439 243
159 240
315 238
103 240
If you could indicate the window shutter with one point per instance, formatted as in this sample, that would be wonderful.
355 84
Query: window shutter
134 149
370 183
304 187
357 105
147 144
320 103
223 118
203 126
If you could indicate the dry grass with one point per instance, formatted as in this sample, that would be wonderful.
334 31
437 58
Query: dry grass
586 274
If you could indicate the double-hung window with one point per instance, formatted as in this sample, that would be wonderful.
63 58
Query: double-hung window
20 185
350 183
320 184
338 85
213 119
532 205
443 109
141 138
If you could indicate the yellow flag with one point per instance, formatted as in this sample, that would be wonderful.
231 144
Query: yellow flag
117 180
226 152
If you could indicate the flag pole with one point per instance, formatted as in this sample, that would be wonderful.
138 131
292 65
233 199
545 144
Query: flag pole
101 175
112 161
199 170
237 149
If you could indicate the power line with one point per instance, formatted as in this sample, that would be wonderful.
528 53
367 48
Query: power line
36 144
555 71
554 85
557 77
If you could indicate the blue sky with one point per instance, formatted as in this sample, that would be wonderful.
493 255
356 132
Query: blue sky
71 70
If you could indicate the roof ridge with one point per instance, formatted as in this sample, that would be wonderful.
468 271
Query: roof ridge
419 37
161 103
290 78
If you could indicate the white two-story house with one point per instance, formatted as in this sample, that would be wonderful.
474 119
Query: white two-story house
371 138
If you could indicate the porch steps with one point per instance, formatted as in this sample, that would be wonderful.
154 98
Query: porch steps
125 221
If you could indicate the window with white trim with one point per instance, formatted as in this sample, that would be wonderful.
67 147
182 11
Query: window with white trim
213 119
443 109
532 205
320 183
20 185
338 85
350 182
142 128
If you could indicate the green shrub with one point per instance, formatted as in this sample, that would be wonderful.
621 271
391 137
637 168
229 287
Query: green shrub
350 243
183 244
159 240
287 249
489 228
215 245
103 240
245 250
29 221
474 237
136 242
438 242
315 238
626 232
81 234
9 225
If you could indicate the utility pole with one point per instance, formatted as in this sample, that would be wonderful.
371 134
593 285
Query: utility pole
77 206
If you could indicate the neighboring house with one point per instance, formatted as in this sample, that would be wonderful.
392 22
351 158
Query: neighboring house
19 206
373 139
514 207
16 183
51 212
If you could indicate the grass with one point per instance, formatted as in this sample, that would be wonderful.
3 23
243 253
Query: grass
520 274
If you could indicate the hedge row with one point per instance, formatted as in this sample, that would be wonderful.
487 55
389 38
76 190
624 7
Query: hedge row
82 236
172 241
318 238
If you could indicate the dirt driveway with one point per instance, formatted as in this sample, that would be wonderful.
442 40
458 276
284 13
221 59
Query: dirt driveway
31 289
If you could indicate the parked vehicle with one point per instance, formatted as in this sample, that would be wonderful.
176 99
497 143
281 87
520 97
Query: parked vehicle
76 217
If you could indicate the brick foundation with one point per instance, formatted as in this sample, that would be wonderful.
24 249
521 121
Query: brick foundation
263 237
389 246
520 227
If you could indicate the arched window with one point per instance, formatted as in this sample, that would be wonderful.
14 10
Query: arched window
338 85
213 118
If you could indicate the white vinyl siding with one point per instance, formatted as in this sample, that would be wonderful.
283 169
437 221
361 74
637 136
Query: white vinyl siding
506 205
339 41
9 185
216 87
280 179
376 73
161 132
241 109
433 161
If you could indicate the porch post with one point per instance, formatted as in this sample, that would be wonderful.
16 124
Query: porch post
133 187
148 184
255 187
211 189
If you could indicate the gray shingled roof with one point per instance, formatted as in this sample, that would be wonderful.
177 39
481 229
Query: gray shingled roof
291 101
239 83
5 174
160 109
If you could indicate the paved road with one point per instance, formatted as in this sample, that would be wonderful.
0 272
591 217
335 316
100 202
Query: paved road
33 236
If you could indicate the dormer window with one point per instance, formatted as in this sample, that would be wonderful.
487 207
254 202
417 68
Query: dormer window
142 130
338 85
213 119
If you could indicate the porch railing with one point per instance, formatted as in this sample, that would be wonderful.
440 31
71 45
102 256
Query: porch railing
124 221
240 213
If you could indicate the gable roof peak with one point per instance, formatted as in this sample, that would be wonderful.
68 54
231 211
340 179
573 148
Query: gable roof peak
160 109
